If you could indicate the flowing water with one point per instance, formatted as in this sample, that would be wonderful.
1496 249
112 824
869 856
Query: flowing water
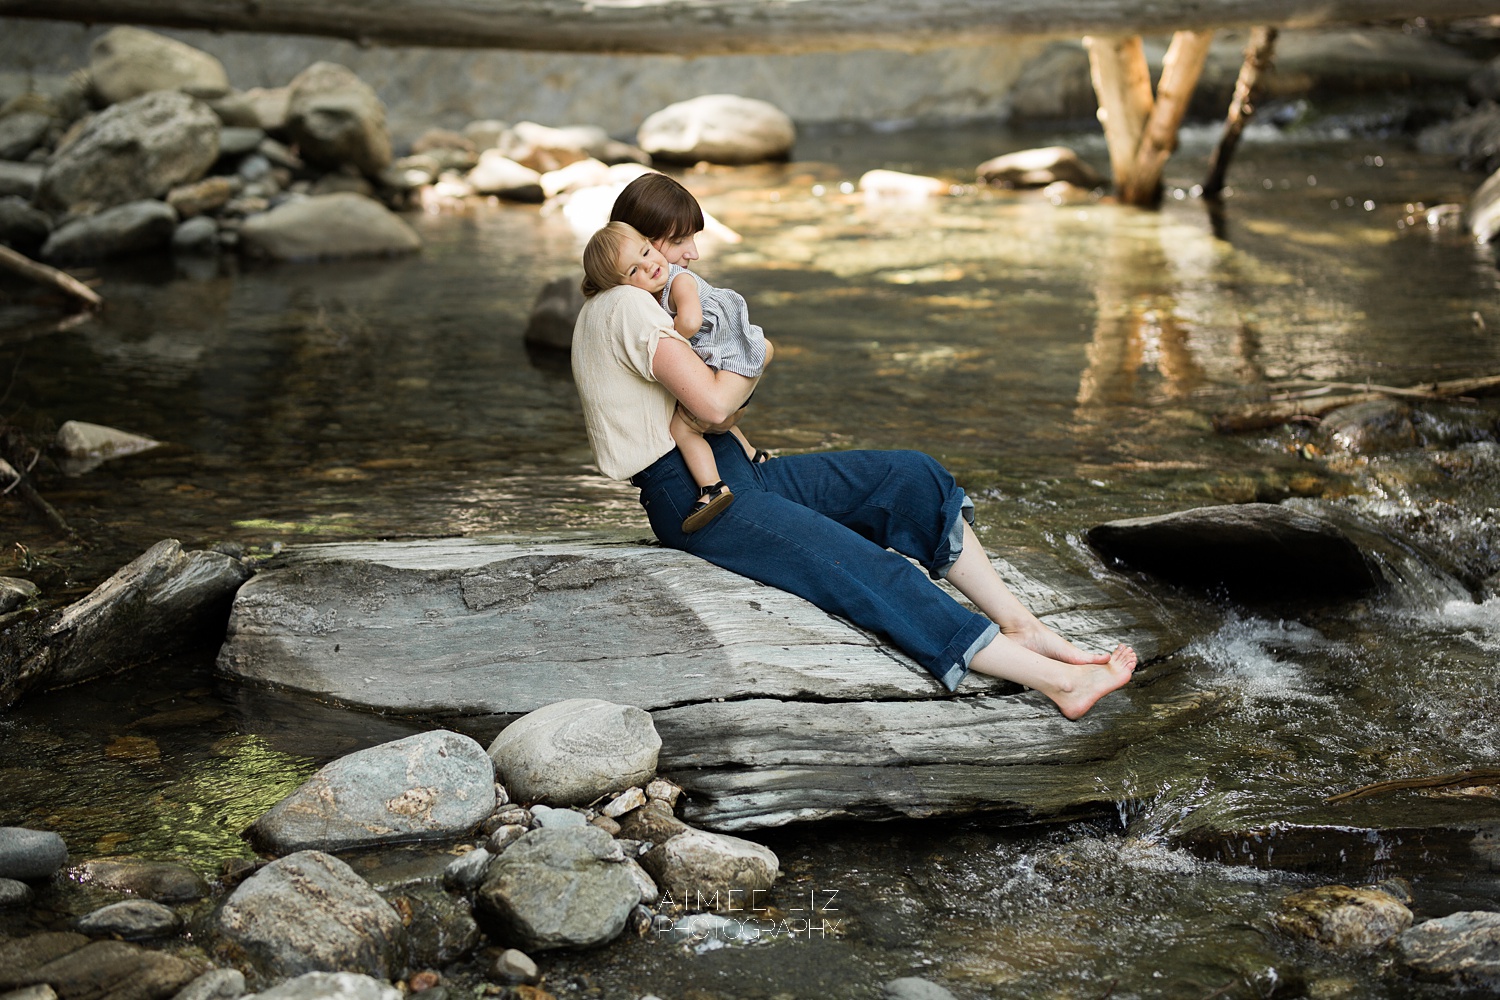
1065 361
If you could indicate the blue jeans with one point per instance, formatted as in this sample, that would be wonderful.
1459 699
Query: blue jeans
823 527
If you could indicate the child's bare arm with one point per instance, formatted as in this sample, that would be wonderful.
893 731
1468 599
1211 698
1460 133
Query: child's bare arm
688 309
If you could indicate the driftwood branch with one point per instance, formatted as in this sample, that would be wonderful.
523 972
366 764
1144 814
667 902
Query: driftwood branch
18 263
1258 416
12 450
1462 779
703 27
1258 52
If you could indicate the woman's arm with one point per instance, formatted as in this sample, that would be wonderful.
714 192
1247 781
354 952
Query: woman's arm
712 397
687 310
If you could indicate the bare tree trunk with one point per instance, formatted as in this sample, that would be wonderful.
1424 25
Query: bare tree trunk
1179 75
1122 82
1258 53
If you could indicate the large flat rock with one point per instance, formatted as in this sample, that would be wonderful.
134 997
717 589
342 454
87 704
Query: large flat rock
770 710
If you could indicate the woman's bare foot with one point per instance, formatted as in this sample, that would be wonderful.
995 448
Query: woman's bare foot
1040 639
1094 682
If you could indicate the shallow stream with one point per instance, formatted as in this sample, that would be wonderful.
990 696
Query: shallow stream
1065 362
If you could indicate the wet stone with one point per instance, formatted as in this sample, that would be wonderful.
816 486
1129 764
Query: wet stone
30 854
652 822
914 988
15 592
332 986
559 889
102 970
514 966
467 870
162 881
132 920
14 894
440 926
710 871
1344 918
505 836
1462 949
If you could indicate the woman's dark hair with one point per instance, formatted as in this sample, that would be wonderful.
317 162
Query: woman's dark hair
658 207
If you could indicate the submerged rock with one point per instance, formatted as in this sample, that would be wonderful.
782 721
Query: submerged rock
719 128
162 881
330 225
559 889
22 227
78 969
14 893
309 912
431 786
136 150
15 592
1462 949
554 314
572 752
1252 551
440 929
127 62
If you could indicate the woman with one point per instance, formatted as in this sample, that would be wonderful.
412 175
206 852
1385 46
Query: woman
834 527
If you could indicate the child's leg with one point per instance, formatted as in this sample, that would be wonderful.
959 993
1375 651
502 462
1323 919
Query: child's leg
696 452
713 496
739 436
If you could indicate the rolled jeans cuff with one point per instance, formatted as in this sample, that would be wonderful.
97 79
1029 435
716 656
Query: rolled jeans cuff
954 546
959 669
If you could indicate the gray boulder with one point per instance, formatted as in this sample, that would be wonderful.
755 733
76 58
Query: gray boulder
136 227
559 889
127 62
711 871
719 128
30 854
79 439
131 920
1462 949
336 118
164 602
432 786
331 986
198 237
309 912
23 228
139 149
572 752
1254 551
215 984
23 131
1038 168
20 180
554 314
330 225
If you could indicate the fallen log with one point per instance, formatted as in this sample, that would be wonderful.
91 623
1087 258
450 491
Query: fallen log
19 263
1258 416
705 27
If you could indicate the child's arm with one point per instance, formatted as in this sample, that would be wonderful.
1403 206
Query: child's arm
687 309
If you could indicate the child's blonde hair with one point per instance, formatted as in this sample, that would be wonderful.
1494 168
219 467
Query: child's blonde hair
601 257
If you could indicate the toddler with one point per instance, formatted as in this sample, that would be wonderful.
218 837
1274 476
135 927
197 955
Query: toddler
716 321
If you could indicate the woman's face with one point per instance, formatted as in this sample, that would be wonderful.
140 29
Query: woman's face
677 249
642 266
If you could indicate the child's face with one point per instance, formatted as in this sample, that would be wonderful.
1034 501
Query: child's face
678 249
643 266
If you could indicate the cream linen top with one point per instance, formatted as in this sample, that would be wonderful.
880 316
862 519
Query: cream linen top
626 410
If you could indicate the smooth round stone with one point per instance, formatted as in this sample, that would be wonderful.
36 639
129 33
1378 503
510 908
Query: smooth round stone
558 819
30 854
